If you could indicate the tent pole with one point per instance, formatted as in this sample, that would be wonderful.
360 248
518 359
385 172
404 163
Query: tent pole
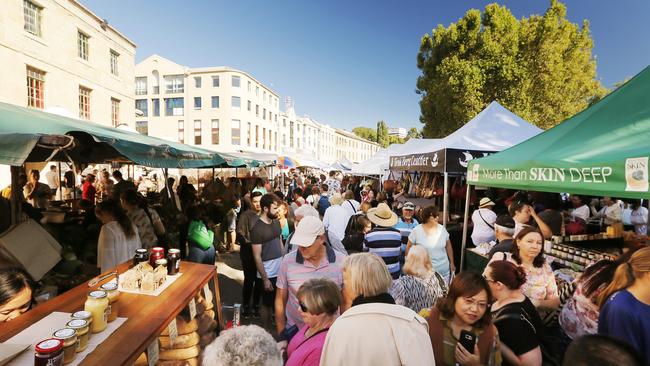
166 176
60 188
445 201
465 223
15 195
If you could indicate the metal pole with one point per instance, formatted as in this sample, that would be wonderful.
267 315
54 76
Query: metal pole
465 223
445 200
15 195
60 188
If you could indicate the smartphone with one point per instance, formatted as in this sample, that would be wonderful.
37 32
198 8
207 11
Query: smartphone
467 340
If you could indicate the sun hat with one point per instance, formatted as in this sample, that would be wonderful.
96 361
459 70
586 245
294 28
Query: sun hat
408 206
382 215
336 199
307 230
485 202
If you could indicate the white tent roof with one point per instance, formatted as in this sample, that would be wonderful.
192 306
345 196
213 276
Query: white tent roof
378 163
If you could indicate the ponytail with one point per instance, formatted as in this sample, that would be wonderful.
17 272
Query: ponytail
623 278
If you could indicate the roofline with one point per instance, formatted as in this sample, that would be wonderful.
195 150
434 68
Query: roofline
352 135
101 20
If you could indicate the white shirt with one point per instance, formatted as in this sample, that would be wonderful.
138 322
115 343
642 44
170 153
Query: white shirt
336 220
581 212
639 219
351 206
611 214
52 178
482 232
113 247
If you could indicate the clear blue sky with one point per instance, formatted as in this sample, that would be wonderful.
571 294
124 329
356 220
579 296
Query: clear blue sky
347 62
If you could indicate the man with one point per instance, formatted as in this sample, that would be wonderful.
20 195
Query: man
521 213
53 180
120 185
504 230
169 197
266 237
405 225
313 259
244 225
336 217
36 193
298 201
483 219
384 240
302 212
88 190
324 200
333 183
6 192
350 204
611 211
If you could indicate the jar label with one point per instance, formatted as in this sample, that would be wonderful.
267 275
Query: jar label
78 345
108 309
178 264
58 360
106 312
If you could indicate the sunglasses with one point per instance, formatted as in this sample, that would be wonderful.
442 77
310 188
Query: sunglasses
303 307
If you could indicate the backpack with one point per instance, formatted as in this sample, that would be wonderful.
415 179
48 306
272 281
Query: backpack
323 204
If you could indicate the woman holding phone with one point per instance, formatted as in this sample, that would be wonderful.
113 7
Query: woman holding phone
462 320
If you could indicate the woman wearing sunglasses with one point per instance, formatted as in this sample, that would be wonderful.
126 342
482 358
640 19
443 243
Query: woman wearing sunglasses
319 301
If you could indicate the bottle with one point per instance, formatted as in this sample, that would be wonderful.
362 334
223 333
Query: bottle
97 304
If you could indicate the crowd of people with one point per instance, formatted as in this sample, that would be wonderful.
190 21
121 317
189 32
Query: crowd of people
338 272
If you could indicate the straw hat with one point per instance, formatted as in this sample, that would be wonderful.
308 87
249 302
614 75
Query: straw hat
382 215
485 202
336 199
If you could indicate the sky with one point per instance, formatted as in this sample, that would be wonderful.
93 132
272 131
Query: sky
347 63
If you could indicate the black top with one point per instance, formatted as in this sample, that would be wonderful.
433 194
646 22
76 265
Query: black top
503 246
553 219
519 327
270 237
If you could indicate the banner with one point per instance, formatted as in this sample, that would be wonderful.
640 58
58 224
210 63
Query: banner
445 160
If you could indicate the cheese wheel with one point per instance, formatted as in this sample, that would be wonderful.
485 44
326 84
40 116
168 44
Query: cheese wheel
182 341
179 353
142 360
182 326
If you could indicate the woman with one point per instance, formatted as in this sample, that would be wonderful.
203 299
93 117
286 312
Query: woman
515 317
244 345
464 309
15 293
528 252
611 212
639 218
118 238
199 238
319 299
374 331
364 207
435 239
105 186
68 185
358 226
146 220
88 190
625 304
186 192
313 198
420 286
286 222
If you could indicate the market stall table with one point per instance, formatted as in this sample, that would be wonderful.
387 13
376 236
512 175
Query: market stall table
147 315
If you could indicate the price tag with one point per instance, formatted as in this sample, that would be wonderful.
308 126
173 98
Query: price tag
152 353
173 331
192 306
207 293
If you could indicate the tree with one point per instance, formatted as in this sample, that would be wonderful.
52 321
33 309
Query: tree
365 133
382 134
541 68
413 133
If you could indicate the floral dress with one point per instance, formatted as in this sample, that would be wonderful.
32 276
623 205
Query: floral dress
540 281
579 315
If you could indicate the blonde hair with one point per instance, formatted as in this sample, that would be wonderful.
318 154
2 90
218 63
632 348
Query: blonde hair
418 263
368 274
626 273
365 206
320 295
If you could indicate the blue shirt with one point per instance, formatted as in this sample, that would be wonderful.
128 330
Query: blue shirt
405 229
386 242
628 319
436 244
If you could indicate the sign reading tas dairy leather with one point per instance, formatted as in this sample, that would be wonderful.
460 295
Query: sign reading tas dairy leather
428 162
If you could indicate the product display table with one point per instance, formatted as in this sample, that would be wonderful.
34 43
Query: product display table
147 315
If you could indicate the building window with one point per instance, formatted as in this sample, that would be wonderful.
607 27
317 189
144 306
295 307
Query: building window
257 136
115 57
284 139
236 102
156 107
291 134
197 102
215 102
141 105
248 133
284 122
84 103
197 132
276 117
263 113
263 138
257 110
181 131
249 86
35 88
174 106
235 81
264 96
257 91
141 85
214 124
115 112
142 127
215 81
248 106
174 84
82 45
197 82
235 125
32 14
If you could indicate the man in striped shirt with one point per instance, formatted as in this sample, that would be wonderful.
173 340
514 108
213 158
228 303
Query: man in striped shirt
383 239
405 224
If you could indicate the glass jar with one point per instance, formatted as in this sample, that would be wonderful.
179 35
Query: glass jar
84 315
49 352
83 332
141 255
113 296
161 262
173 261
156 253
97 304
69 338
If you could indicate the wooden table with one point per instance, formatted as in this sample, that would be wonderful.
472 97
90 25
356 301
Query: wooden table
147 315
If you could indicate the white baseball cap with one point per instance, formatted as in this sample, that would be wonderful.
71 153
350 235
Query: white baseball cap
308 229
305 210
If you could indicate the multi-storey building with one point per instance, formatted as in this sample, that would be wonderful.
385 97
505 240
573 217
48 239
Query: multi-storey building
58 55
397 132
219 108
353 147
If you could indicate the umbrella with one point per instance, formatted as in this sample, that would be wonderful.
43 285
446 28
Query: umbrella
286 162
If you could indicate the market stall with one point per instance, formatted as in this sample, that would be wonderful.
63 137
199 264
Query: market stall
602 150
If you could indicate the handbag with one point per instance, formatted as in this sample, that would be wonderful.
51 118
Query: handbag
198 234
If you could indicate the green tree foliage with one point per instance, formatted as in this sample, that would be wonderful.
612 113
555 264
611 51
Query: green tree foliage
365 133
382 134
413 133
541 68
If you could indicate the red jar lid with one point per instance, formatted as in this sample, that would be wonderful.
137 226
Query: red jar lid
157 249
49 345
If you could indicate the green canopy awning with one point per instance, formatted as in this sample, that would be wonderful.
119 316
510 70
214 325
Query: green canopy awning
602 150
21 129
